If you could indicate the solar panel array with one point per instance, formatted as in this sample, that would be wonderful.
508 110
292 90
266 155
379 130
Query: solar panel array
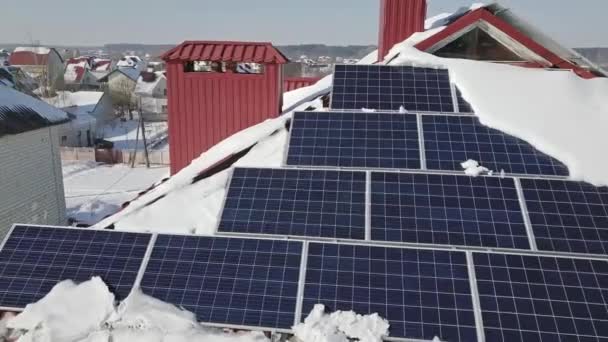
352 139
451 140
423 294
446 210
390 88
228 281
567 216
34 259
328 204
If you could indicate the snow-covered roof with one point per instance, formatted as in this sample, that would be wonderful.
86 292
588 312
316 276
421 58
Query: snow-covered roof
147 82
130 73
129 61
74 72
21 113
66 99
543 108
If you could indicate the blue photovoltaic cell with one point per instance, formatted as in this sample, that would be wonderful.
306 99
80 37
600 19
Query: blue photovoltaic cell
445 209
542 299
34 259
463 105
241 282
422 293
354 139
452 140
312 203
567 216
391 87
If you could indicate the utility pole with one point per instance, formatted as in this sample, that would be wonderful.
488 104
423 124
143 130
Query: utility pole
143 134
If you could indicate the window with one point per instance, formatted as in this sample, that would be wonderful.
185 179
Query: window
478 45
224 67
164 108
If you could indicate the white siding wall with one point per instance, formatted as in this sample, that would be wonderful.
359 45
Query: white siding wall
31 182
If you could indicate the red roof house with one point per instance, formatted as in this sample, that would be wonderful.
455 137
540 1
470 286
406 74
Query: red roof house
39 62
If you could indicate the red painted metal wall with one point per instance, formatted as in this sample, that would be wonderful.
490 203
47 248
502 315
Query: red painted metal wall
399 19
294 83
206 108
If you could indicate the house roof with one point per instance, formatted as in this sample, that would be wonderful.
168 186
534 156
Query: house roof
32 56
130 73
521 37
21 113
75 71
147 82
252 52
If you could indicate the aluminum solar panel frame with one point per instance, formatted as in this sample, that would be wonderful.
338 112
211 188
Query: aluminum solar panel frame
389 88
422 293
33 259
451 140
447 210
542 298
227 282
326 204
567 216
354 140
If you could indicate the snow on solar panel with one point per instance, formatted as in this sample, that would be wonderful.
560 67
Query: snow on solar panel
447 210
567 216
451 140
463 105
239 282
422 294
312 203
34 259
391 87
544 299
354 139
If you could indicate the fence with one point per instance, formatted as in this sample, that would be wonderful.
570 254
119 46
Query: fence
157 157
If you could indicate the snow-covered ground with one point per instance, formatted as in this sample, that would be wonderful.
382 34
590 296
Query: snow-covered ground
124 134
94 191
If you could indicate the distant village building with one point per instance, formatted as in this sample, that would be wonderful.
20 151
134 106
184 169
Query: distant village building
121 86
151 90
30 172
132 62
88 110
44 64
78 75
216 89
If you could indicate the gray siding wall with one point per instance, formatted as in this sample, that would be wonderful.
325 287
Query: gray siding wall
31 181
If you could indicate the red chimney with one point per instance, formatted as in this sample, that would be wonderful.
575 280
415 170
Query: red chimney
399 19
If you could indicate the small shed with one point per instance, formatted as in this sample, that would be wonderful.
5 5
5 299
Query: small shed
216 89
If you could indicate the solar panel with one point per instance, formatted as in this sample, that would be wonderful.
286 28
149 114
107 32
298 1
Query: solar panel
422 294
447 210
567 216
463 105
354 139
227 281
544 299
451 140
391 87
312 203
34 259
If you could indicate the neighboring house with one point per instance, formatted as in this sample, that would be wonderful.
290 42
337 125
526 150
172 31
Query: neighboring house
30 172
121 85
101 67
157 66
131 62
88 110
42 63
15 78
151 90
78 75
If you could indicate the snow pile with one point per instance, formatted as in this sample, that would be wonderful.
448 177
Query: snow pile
340 326
86 313
472 168
84 306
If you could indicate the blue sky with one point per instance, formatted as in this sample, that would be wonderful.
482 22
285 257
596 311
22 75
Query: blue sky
577 23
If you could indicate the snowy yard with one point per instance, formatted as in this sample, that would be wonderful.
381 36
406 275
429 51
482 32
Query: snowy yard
124 134
94 190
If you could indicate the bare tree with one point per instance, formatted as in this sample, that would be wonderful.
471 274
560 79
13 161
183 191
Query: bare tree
123 97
